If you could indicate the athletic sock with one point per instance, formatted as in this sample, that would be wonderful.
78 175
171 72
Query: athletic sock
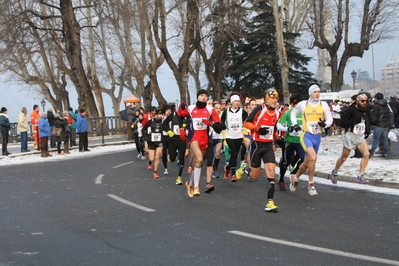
197 175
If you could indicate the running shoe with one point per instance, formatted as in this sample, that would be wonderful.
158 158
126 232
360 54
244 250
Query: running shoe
361 179
143 157
233 178
226 173
209 188
282 186
156 176
312 190
215 174
240 171
179 181
270 207
149 167
334 177
190 191
166 171
139 156
196 191
294 182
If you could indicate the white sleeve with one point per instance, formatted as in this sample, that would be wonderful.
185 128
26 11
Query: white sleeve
280 127
327 114
297 109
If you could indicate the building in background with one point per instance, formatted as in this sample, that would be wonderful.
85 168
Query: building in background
390 79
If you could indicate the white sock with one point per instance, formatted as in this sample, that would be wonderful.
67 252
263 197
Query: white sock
197 175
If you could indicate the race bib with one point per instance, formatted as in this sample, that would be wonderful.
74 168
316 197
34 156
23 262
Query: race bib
359 128
176 130
234 127
156 137
198 124
313 127
296 133
269 134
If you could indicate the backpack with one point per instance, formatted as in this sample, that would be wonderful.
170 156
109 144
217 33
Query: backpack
123 115
70 119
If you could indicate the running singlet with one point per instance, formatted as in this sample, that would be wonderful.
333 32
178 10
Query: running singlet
310 118
265 119
234 124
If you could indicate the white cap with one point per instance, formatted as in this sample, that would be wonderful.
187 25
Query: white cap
234 98
313 88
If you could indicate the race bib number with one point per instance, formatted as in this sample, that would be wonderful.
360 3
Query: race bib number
359 128
235 127
313 127
198 124
269 134
156 137
176 130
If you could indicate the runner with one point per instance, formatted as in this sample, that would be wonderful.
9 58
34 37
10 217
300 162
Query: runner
200 117
167 110
262 123
153 130
315 116
217 142
293 150
356 121
246 142
233 119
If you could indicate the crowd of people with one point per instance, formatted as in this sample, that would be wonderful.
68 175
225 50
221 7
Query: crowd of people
58 128
249 133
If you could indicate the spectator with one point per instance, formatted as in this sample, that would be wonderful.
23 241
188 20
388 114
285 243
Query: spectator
23 128
65 116
381 112
34 120
130 118
45 133
72 116
82 128
393 103
4 128
51 119
59 123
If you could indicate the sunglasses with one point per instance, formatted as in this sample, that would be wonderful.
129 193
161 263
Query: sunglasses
363 101
273 95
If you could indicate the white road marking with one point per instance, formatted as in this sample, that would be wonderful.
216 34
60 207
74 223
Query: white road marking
132 204
120 165
99 179
314 248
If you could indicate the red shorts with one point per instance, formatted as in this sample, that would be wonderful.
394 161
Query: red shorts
202 142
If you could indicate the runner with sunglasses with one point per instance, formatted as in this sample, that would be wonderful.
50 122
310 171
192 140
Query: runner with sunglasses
315 116
356 121
262 122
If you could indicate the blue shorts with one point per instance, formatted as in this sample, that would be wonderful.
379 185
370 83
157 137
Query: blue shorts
216 141
309 140
248 137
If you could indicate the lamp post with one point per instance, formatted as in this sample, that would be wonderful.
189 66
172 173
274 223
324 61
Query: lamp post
185 80
353 74
43 103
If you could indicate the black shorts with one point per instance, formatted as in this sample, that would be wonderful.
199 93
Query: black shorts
154 145
262 151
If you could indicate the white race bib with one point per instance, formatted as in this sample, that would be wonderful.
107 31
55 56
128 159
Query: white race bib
359 128
198 124
296 133
269 134
156 137
313 127
176 129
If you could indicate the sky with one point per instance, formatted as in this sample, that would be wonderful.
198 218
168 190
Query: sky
14 99
330 149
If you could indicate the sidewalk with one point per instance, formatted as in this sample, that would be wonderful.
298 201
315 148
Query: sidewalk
381 172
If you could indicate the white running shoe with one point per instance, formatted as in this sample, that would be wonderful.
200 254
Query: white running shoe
312 190
293 183
139 156
166 171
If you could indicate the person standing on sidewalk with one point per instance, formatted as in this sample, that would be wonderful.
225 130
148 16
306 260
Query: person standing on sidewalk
82 128
315 116
51 120
67 132
23 127
382 113
4 128
130 119
72 116
357 122
393 103
59 123
45 133
34 120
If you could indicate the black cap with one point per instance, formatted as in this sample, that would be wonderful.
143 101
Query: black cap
3 109
202 92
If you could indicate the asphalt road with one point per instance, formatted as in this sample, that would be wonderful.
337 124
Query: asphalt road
108 210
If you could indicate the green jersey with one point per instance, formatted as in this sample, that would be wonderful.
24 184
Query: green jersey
285 120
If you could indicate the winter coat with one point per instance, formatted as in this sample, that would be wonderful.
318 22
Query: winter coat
381 111
44 127
394 106
353 116
131 115
4 122
50 118
23 125
74 116
81 124
60 123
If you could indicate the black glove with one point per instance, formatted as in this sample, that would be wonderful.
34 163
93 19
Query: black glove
263 130
293 128
183 106
279 142
366 135
322 123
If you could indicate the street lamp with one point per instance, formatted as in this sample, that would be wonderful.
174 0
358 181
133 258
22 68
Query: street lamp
43 103
353 74
185 80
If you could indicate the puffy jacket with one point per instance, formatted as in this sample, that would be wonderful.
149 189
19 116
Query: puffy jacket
381 112
81 124
74 116
44 127
4 122
23 125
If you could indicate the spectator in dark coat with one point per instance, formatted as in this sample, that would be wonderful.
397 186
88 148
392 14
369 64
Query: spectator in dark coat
394 104
4 128
60 123
51 119
381 112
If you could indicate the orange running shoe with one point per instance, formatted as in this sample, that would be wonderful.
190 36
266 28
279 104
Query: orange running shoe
155 175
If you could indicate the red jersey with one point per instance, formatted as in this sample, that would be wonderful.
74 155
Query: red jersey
262 117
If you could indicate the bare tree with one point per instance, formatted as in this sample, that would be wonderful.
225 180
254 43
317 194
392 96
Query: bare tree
376 20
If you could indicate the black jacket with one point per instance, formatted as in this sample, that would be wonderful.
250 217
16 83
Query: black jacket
50 118
354 116
394 106
381 112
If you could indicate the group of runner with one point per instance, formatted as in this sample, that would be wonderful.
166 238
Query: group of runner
203 129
